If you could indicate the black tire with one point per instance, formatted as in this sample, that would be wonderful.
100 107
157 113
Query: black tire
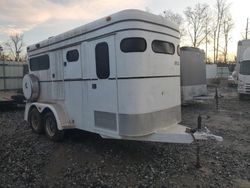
51 128
35 121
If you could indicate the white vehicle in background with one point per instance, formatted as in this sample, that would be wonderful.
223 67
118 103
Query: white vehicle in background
232 79
118 77
244 75
243 68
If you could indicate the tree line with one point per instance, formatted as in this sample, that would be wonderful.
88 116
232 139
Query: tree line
207 26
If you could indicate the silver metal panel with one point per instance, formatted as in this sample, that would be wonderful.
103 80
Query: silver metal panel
13 83
1 71
175 133
142 124
105 120
11 74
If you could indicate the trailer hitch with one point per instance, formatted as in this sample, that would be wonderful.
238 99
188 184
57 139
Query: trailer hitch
199 134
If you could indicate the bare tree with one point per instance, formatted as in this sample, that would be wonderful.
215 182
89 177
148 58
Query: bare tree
15 45
175 18
244 35
197 23
208 31
222 7
227 28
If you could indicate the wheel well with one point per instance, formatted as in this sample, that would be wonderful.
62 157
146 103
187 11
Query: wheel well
31 108
45 111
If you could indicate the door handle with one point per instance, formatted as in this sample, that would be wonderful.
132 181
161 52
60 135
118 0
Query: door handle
65 64
94 86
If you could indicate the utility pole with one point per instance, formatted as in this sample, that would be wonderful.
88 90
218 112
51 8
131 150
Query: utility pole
214 45
247 28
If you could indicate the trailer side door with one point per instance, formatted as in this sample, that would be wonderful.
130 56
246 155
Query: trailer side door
102 85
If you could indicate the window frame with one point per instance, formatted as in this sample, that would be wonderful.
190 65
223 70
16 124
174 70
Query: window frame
130 51
39 63
156 40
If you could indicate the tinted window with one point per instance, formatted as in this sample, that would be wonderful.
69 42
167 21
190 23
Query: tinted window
245 67
102 60
133 45
164 47
72 55
39 63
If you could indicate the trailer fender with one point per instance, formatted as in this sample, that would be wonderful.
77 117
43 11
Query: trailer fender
62 118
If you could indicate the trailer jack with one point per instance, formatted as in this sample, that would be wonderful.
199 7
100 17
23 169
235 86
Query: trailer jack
199 135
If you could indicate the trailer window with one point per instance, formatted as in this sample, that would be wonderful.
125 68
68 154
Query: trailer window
102 60
72 55
134 44
178 50
163 47
39 63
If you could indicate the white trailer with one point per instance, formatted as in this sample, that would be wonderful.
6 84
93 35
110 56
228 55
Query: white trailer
243 68
118 77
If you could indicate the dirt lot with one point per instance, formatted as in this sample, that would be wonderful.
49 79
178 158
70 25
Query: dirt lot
86 160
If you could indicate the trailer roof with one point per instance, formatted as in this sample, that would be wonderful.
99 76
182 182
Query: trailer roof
125 15
188 48
244 42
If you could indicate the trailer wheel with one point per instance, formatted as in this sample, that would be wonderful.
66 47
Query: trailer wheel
35 121
51 129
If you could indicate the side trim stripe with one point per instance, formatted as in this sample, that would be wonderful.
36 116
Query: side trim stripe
120 78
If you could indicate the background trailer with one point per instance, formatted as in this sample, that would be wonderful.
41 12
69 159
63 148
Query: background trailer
193 73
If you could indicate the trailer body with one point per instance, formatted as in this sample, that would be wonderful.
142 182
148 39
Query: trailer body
118 77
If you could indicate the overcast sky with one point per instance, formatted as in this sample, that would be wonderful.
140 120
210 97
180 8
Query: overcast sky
40 19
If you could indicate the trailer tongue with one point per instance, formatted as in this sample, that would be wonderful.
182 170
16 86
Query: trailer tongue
176 133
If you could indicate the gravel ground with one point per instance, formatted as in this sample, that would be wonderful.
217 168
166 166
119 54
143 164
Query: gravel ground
86 160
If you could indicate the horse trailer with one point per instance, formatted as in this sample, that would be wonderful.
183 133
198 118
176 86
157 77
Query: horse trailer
193 73
118 77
